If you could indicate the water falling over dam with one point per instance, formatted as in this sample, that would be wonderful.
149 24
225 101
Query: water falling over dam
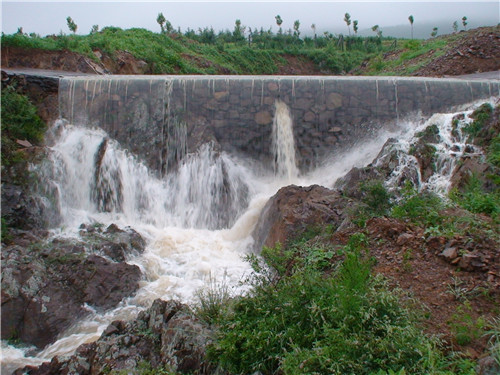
161 118
189 162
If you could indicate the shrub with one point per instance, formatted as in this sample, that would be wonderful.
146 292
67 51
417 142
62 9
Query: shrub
19 122
309 323
481 116
475 199
213 300
421 208
376 197
494 152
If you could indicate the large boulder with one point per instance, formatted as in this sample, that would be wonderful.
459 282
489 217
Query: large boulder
47 283
293 209
166 336
20 209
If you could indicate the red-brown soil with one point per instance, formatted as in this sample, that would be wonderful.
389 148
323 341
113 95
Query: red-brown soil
468 52
478 51
445 293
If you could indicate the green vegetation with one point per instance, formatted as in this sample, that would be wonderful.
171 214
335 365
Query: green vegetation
464 326
302 321
246 50
376 197
19 122
422 51
421 208
481 116
214 301
475 199
208 52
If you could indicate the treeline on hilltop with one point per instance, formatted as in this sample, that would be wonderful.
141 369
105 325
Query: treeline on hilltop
244 50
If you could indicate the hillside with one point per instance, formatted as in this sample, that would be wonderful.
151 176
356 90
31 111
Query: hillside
375 275
473 51
138 51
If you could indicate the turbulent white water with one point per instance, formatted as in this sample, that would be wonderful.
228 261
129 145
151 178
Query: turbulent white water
283 143
452 144
197 220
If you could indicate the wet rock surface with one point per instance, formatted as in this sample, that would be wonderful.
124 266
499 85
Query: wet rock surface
166 336
20 209
46 283
293 209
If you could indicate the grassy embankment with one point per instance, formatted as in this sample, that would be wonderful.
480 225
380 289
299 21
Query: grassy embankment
209 53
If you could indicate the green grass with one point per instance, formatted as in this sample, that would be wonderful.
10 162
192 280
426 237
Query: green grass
475 199
19 122
181 54
403 64
308 323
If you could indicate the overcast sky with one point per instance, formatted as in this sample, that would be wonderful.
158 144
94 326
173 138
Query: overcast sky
46 18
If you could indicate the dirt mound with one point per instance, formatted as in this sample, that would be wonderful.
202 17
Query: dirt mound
478 51
467 52
422 267
122 62
14 57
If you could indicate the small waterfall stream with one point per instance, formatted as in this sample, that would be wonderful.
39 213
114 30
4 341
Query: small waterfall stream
283 143
197 217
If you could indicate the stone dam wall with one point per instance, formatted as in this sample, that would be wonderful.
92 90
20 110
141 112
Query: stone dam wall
160 118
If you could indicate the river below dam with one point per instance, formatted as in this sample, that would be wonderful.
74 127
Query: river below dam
198 215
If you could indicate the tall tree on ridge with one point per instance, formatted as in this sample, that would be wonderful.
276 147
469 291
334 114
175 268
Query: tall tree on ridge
71 25
347 20
296 31
161 20
410 18
279 21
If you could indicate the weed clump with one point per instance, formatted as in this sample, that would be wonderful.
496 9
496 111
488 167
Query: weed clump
306 322
19 122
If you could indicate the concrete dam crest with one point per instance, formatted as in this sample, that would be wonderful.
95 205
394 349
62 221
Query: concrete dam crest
162 118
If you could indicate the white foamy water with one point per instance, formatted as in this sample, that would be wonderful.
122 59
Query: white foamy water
283 143
451 145
197 220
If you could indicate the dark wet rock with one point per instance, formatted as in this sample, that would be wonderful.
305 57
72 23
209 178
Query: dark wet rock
429 135
293 209
488 366
113 242
424 150
351 184
47 283
425 155
166 336
474 167
388 159
20 209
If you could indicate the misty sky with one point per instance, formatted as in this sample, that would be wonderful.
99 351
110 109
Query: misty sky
46 18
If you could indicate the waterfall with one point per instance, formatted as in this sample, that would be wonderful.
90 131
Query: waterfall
121 154
283 143
449 143
94 176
